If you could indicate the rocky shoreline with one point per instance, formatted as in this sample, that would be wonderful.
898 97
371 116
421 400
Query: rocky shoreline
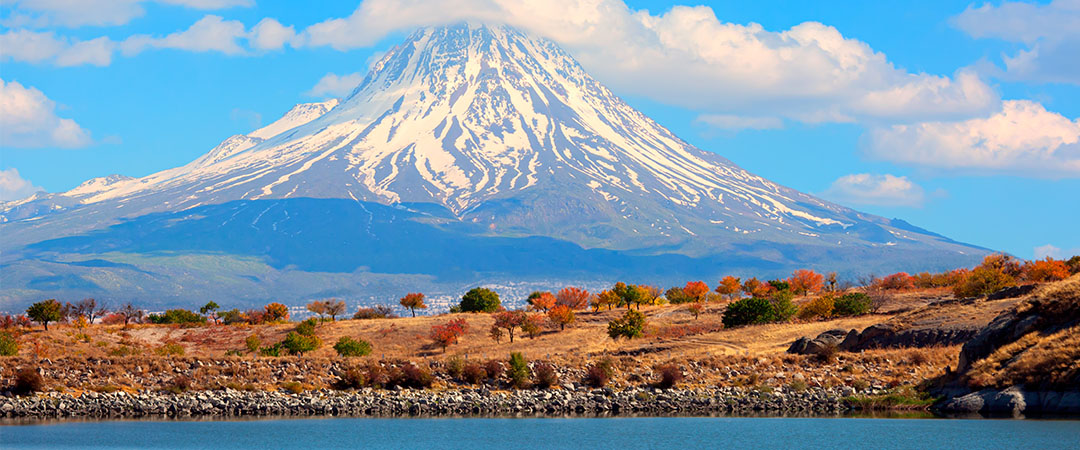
572 400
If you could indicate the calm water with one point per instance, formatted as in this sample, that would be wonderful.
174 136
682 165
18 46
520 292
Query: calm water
592 433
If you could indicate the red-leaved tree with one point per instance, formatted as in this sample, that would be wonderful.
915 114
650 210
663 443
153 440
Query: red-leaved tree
448 333
805 281
575 298
696 290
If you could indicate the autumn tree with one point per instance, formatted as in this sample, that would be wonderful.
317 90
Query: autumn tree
413 301
334 308
605 298
448 333
317 307
1047 269
561 315
533 325
275 312
541 301
510 321
755 288
896 282
696 290
805 281
729 287
87 308
45 311
696 308
676 295
480 300
575 298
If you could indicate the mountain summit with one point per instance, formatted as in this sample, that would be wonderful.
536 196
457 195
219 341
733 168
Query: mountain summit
492 143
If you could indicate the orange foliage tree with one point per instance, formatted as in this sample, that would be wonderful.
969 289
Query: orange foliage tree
696 290
413 301
1047 269
275 312
805 281
448 333
729 287
755 288
561 315
541 301
896 282
575 298
605 298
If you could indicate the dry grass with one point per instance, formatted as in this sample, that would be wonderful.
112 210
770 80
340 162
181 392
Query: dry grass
1036 359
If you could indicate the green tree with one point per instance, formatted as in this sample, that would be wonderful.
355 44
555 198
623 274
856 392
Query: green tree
519 371
45 311
630 325
480 300
210 310
347 346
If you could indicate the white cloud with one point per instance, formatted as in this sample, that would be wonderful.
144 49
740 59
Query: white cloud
76 13
1055 252
15 187
1022 139
735 123
211 33
28 119
687 57
334 85
874 189
39 47
1052 32
269 34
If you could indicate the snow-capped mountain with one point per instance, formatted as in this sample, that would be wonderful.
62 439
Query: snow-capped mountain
487 131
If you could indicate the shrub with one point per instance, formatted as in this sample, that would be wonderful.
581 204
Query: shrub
455 367
298 344
519 371
376 375
448 333
696 309
376 312
982 281
294 387
670 375
822 306
474 373
896 282
252 342
176 316
1047 269
852 304
493 369
598 375
480 300
546 376
533 325
8 345
272 350
353 378
180 383
347 346
753 310
415 377
171 349
28 381
307 327
783 308
1073 264
45 311
630 325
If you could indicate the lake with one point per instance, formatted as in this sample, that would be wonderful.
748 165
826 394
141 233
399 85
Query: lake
544 433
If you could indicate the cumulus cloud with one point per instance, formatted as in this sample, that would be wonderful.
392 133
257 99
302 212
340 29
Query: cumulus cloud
1022 139
1052 32
875 189
269 34
334 85
45 47
15 187
1055 252
211 33
28 119
76 13
687 57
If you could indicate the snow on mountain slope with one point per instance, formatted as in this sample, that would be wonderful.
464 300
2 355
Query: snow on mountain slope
509 133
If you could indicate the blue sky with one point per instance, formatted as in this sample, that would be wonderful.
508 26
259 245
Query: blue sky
984 149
